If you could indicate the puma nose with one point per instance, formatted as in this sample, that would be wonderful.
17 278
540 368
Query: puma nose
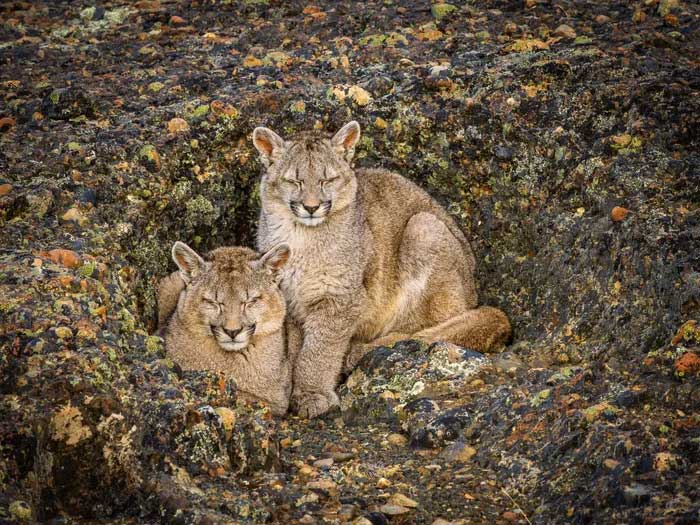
232 333
311 209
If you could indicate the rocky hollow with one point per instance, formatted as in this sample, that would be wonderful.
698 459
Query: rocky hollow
562 135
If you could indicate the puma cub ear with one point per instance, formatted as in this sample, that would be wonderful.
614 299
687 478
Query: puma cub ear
276 258
268 143
346 139
188 261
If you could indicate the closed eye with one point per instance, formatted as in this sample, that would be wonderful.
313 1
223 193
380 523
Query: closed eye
213 303
252 301
326 181
296 183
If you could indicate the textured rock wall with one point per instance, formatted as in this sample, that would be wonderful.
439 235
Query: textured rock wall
563 136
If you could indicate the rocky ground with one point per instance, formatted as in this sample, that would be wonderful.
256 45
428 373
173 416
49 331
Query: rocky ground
563 135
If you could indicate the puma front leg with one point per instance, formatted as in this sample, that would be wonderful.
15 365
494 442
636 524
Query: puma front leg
327 330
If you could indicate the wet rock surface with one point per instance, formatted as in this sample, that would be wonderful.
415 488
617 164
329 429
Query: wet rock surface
562 136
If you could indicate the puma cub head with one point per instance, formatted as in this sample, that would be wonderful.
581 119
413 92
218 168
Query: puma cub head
233 297
309 177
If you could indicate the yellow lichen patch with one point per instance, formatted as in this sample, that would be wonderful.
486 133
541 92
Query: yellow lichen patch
251 61
664 461
227 418
339 93
380 123
67 425
278 59
361 96
687 332
429 32
523 45
531 90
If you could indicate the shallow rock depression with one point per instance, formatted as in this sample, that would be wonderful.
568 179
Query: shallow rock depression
564 138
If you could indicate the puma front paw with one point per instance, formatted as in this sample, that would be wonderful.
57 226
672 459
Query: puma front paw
313 404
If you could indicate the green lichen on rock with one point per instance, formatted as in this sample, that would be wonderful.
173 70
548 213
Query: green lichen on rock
200 212
442 10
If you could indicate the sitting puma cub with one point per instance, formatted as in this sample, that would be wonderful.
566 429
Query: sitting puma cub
374 259
229 317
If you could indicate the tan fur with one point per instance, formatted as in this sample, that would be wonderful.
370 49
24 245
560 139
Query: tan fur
233 289
379 256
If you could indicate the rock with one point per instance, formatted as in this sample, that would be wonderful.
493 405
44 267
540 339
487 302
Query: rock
227 418
298 106
340 457
637 494
76 216
565 31
383 483
251 61
525 45
687 365
68 103
510 516
68 426
377 518
86 195
619 213
323 464
610 464
440 79
630 397
503 153
393 510
40 202
687 333
5 189
666 6
442 10
398 440
459 452
67 258
380 123
665 461
63 332
177 20
307 471
6 123
362 521
602 19
361 96
21 511
322 484
178 126
149 157
402 500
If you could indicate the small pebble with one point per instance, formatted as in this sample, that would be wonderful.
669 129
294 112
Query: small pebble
393 510
402 501
565 31
383 483
323 464
618 213
398 440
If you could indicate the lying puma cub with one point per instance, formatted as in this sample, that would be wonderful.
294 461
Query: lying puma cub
229 316
374 259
